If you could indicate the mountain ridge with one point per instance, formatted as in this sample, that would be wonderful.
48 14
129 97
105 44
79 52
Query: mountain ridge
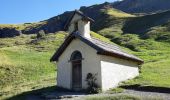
142 6
105 15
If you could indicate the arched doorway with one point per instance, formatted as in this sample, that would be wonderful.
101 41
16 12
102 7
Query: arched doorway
76 59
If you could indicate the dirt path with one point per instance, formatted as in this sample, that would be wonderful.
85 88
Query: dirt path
140 94
81 96
154 95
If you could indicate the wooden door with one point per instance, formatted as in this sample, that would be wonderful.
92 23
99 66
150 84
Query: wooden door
76 75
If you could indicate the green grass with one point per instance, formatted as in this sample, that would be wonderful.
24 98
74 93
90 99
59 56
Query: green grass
154 26
25 65
117 13
24 60
23 26
23 69
155 70
116 90
152 46
112 19
114 23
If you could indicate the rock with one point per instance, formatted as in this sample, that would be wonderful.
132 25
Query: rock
9 32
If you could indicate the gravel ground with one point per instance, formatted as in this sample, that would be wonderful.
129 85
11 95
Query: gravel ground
81 96
143 95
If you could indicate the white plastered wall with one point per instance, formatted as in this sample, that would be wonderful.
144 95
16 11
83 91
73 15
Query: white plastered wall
90 64
115 70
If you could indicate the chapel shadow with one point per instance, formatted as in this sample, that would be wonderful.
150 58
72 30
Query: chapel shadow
52 92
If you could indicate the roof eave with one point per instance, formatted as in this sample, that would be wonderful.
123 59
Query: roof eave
63 46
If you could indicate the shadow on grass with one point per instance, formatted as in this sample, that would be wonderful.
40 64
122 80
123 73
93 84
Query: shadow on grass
147 88
52 92
23 95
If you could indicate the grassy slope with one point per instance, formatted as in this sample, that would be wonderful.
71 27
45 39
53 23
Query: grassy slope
111 22
154 26
156 54
18 56
117 13
25 65
155 71
22 27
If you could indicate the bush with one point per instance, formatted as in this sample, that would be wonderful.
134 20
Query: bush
92 85
163 37
33 37
19 42
41 34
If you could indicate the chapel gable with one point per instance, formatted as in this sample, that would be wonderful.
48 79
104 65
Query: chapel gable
80 23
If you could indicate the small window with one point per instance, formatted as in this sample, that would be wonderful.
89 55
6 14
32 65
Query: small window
76 55
76 27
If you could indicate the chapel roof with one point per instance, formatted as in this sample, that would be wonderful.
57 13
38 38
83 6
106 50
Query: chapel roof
102 48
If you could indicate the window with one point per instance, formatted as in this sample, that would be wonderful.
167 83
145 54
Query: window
76 55
76 27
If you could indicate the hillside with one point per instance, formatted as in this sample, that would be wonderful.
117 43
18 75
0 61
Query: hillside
56 23
142 6
102 13
154 26
25 62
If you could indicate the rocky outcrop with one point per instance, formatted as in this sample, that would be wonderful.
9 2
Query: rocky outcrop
9 32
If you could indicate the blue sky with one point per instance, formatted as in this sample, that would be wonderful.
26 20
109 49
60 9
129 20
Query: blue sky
21 11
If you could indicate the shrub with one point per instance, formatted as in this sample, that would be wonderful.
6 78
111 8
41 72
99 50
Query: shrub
33 37
92 85
41 34
165 36
19 42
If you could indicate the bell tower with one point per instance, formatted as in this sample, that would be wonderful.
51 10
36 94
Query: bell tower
79 23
